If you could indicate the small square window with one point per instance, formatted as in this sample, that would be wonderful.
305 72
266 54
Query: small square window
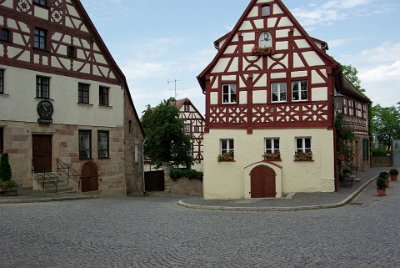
187 128
71 51
266 11
227 147
42 87
279 92
271 145
40 39
303 145
229 93
83 93
40 2
186 108
5 35
300 91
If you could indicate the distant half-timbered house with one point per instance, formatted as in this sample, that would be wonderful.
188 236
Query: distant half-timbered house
65 105
193 122
270 94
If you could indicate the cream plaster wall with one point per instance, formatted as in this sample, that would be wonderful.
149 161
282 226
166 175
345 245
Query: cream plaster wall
228 180
21 105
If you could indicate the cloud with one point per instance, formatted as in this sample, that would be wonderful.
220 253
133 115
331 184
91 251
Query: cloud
386 52
381 73
335 10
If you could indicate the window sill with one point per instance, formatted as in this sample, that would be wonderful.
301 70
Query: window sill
298 160
85 159
105 107
40 50
104 158
4 95
85 104
272 160
227 160
40 99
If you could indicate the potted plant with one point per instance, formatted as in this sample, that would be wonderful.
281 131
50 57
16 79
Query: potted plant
381 186
273 156
393 174
386 177
226 157
267 51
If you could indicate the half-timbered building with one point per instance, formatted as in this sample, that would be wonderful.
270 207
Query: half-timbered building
64 103
270 94
193 122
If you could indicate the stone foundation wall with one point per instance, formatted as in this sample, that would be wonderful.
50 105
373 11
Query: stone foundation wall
381 161
65 146
185 186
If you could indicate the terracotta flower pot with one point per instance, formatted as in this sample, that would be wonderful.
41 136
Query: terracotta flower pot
381 192
393 177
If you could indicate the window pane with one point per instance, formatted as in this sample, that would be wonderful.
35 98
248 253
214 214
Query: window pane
266 11
276 145
300 145
85 151
295 89
103 144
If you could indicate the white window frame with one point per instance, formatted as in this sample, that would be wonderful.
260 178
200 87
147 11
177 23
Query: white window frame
274 148
279 91
229 90
300 90
303 147
186 128
227 146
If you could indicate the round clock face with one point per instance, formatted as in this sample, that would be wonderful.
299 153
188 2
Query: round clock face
45 109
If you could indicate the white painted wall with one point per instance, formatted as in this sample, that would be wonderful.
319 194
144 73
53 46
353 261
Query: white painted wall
20 104
227 180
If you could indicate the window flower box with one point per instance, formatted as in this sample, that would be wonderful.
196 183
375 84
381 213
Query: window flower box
226 157
275 156
263 51
303 156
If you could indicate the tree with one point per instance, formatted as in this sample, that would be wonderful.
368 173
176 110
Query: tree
351 73
344 138
165 139
5 168
386 124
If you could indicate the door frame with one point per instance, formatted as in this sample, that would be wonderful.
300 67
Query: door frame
50 135
247 178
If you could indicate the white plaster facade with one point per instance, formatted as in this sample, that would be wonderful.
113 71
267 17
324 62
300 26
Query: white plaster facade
231 180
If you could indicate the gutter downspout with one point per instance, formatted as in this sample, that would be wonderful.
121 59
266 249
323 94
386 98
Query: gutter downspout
143 179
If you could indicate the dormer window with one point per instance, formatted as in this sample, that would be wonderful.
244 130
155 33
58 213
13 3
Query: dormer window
266 11
265 40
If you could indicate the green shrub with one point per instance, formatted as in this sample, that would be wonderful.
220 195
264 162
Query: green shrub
394 172
384 175
191 174
5 168
379 152
381 183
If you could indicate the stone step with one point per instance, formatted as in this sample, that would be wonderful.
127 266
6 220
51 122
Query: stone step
60 190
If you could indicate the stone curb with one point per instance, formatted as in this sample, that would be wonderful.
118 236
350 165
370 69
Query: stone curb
343 203
43 200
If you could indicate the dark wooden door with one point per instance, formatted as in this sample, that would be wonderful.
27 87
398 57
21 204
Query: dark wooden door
263 182
90 177
42 153
154 181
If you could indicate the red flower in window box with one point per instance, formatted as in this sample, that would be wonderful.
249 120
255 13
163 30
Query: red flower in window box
275 156
226 157
302 156
264 51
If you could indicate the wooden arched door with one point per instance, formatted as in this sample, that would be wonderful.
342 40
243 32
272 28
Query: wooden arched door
90 177
263 182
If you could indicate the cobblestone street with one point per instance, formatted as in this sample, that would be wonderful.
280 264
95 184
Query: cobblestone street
154 232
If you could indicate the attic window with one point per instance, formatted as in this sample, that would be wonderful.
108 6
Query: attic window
266 11
71 51
265 40
5 35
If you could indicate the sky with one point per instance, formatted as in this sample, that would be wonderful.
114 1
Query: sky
158 41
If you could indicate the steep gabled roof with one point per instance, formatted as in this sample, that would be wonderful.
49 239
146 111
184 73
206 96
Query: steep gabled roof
186 101
118 72
202 76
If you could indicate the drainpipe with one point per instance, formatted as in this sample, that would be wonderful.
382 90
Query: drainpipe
143 180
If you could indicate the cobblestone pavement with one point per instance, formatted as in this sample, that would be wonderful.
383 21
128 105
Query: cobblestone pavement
154 232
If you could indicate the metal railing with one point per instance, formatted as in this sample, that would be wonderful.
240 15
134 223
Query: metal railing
69 172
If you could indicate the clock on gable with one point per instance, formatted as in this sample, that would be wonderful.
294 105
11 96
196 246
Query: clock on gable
45 110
